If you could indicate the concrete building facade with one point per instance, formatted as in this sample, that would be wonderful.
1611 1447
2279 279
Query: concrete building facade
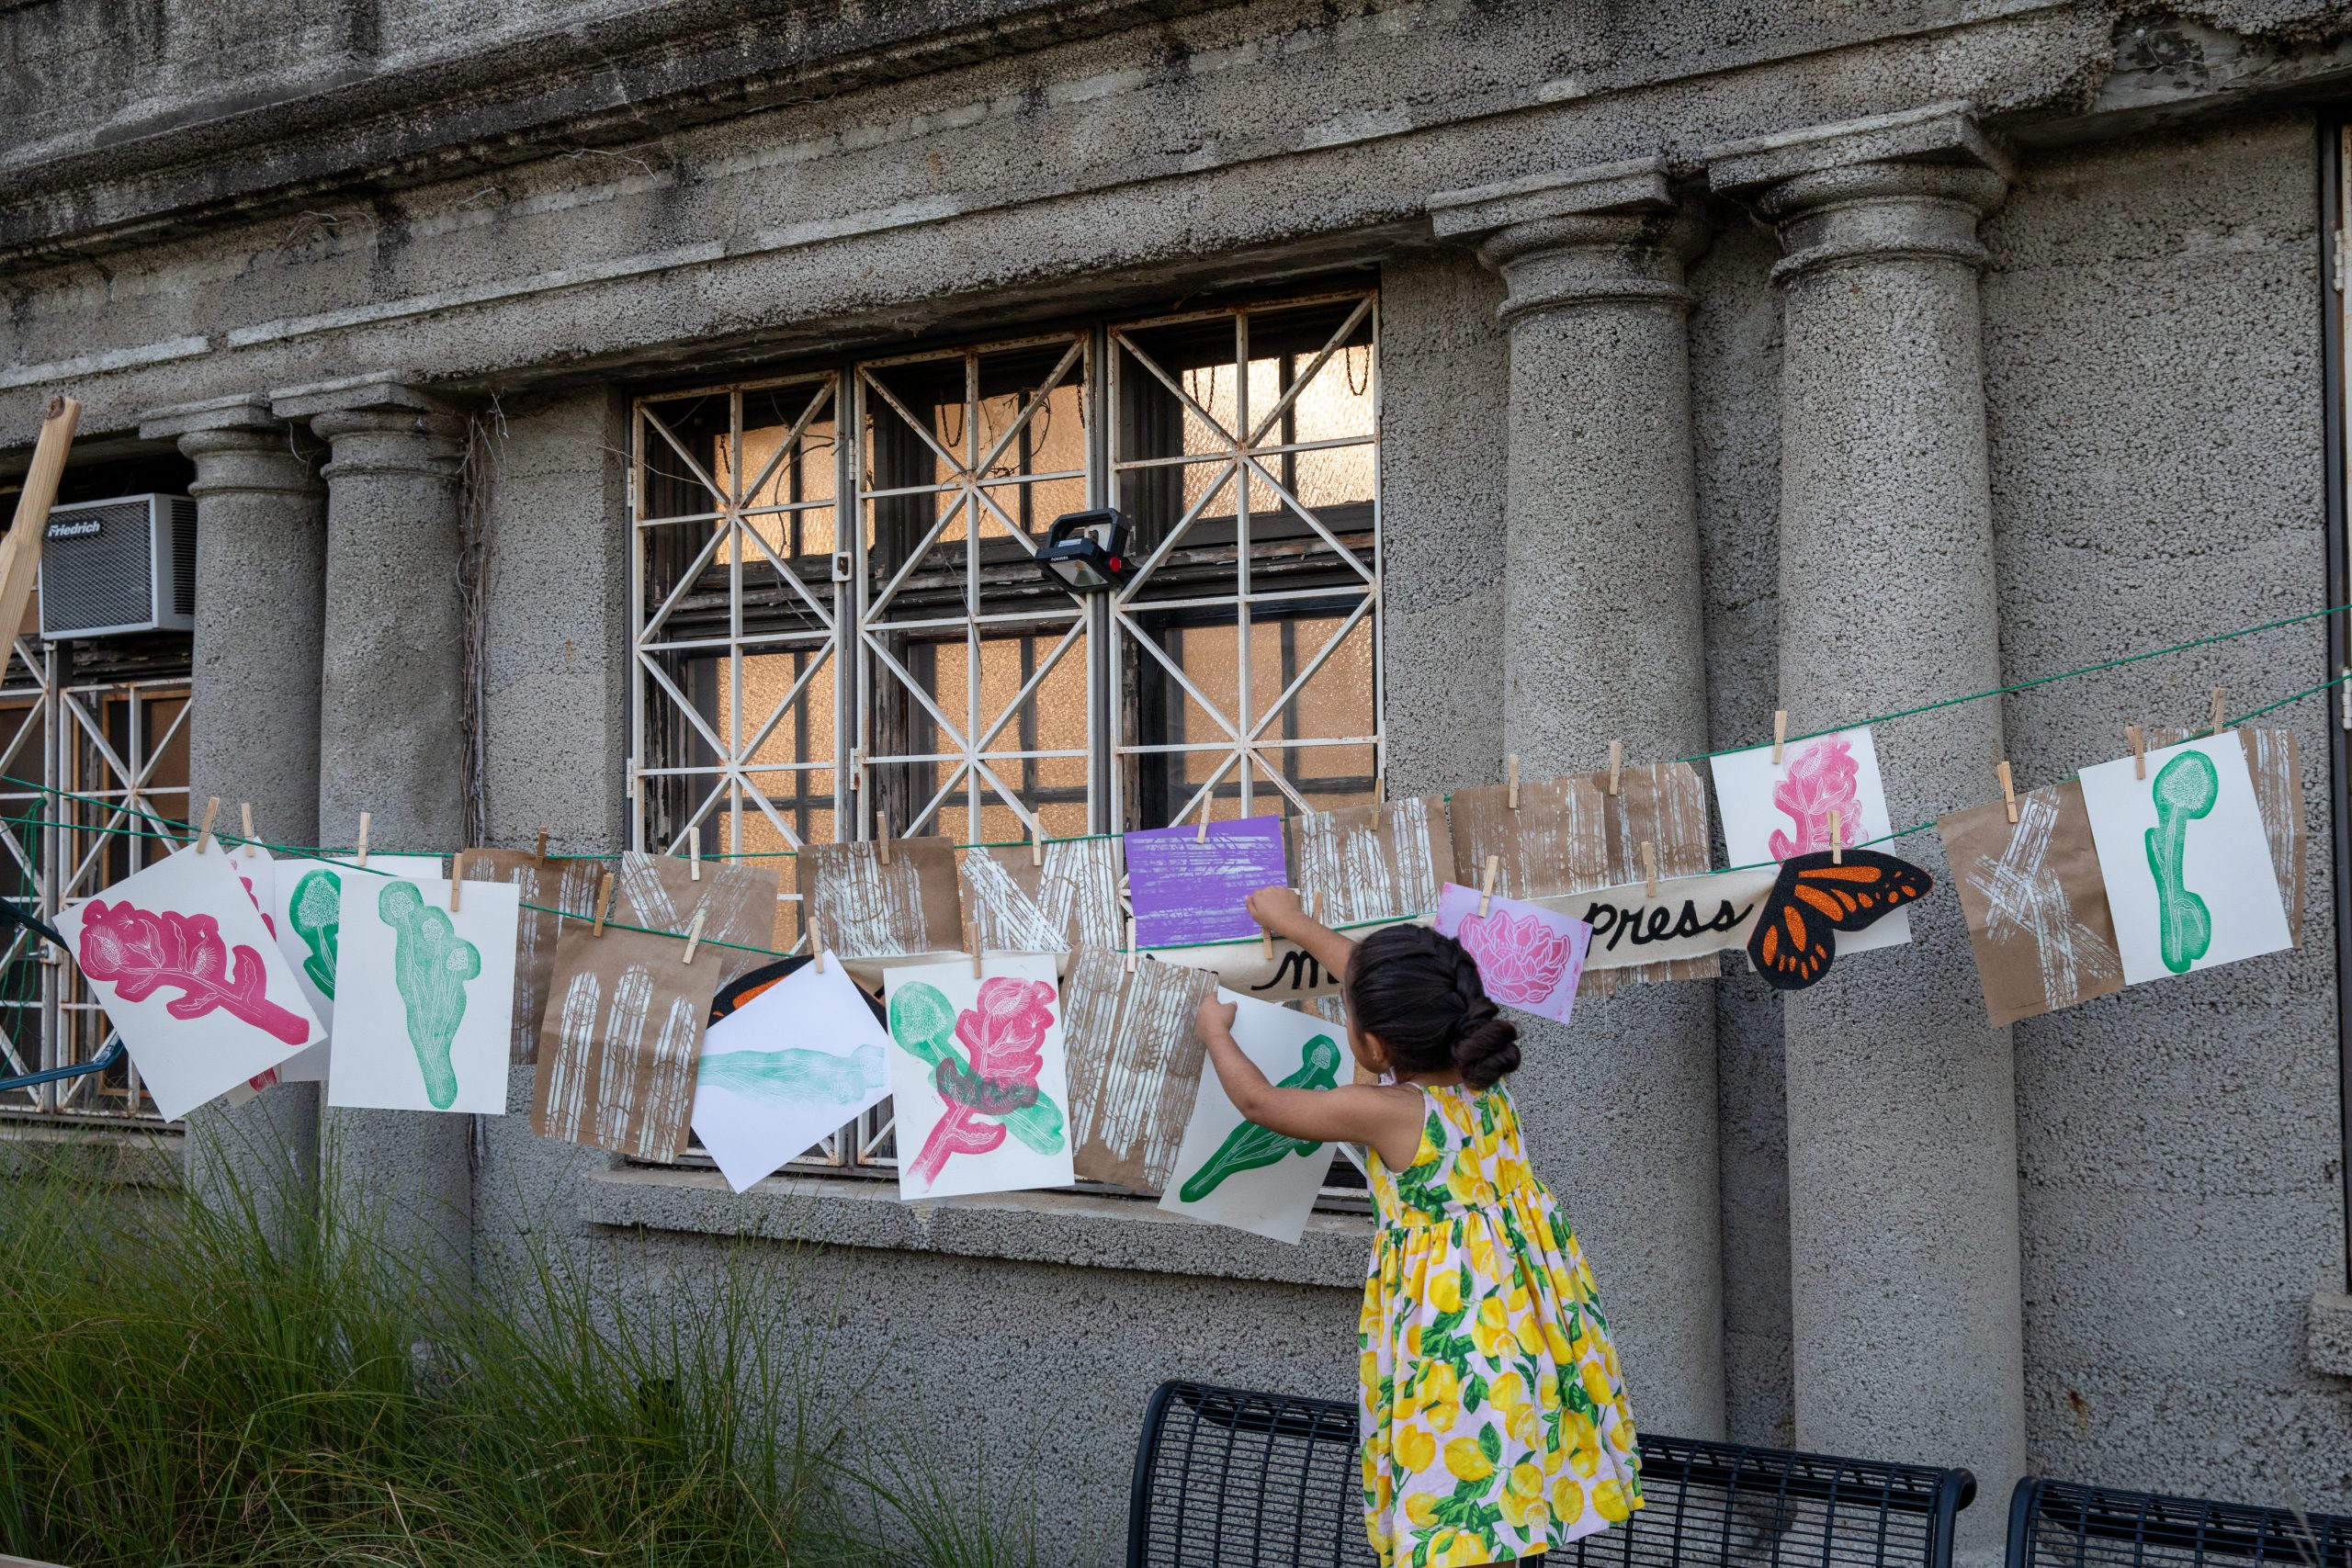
1592 373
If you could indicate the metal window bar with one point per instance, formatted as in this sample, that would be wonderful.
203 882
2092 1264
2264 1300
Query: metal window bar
2060 1524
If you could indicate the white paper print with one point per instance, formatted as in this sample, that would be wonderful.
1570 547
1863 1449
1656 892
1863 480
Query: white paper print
785 1069
2190 878
980 1086
305 905
1231 1172
1771 813
180 960
426 996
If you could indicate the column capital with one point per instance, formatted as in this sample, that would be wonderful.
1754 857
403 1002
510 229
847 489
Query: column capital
1908 185
378 423
1608 233
237 444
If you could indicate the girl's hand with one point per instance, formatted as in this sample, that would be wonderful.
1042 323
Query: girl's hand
1276 909
1213 1018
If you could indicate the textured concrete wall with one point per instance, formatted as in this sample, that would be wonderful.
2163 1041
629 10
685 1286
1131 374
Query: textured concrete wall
2153 356
1735 396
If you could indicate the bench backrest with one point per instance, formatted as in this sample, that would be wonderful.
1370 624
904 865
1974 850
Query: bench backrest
1227 1478
2059 1524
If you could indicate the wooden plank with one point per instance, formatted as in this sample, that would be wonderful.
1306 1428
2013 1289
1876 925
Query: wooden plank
20 551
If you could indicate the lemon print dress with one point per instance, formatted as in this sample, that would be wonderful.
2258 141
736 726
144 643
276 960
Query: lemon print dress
1495 1422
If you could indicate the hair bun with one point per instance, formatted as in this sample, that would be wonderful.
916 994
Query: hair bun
1487 1050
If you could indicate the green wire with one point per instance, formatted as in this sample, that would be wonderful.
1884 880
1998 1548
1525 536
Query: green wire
314 852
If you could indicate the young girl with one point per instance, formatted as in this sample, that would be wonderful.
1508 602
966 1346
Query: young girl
1494 1423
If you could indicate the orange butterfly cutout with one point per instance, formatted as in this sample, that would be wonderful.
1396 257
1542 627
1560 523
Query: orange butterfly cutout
1793 943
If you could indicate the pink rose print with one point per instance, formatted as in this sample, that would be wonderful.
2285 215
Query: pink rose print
1822 778
1519 959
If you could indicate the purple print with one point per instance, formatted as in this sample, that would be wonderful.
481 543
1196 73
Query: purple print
1528 958
1187 891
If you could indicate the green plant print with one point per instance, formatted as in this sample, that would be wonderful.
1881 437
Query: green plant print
431 963
1250 1146
924 1023
316 914
2186 789
796 1075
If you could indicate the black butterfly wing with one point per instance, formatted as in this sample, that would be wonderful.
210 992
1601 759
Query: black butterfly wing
1813 897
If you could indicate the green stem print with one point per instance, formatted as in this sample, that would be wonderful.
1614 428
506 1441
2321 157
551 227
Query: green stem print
797 1075
316 914
431 963
1248 1146
2186 789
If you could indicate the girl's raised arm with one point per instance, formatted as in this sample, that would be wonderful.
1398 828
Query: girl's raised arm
1386 1118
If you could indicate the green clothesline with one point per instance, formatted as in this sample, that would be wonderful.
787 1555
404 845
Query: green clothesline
341 857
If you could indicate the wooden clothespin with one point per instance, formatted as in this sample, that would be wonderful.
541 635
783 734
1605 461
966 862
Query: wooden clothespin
1486 883
541 851
1316 912
1510 785
1207 800
2218 713
1779 733
604 902
882 838
457 878
974 930
2009 794
1837 838
361 859
817 942
246 816
1036 847
1649 869
204 834
694 938
2136 737
694 851
1616 766
1266 942
1131 944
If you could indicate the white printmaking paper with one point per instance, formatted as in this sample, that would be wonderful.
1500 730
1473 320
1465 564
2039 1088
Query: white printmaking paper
1771 813
2186 860
178 957
304 909
1230 1172
424 997
785 1069
981 1084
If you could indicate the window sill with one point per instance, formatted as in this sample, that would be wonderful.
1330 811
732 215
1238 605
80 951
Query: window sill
139 1155
2330 1330
1068 1228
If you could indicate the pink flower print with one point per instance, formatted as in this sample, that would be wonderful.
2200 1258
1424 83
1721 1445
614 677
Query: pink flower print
137 951
1519 959
1822 778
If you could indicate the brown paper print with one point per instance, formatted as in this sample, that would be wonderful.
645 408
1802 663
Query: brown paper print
2035 902
566 884
1069 903
872 910
2275 759
1556 842
618 1042
735 898
1135 1065
1663 804
1371 863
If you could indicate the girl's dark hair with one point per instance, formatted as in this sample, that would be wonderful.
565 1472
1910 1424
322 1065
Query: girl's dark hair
1419 994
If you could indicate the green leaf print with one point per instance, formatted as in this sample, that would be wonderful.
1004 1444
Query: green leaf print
1579 1400
1490 1443
1443 1322
1474 1393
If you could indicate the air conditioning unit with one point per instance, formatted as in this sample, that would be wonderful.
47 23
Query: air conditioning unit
112 567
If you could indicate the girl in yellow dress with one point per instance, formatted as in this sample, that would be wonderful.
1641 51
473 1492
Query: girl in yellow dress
1495 1422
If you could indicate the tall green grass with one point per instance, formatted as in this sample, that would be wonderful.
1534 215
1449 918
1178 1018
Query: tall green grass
183 1384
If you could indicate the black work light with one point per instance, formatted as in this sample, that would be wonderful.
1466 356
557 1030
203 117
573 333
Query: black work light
1086 552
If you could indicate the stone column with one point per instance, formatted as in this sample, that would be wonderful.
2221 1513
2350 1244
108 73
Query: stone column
253 719
1602 641
391 738
1903 1182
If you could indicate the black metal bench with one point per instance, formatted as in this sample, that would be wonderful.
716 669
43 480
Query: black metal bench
1227 1478
2059 1524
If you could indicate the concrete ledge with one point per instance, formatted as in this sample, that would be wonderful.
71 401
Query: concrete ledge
1066 1228
130 1156
2329 1326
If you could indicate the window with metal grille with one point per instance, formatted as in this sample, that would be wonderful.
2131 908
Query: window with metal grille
840 623
112 731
